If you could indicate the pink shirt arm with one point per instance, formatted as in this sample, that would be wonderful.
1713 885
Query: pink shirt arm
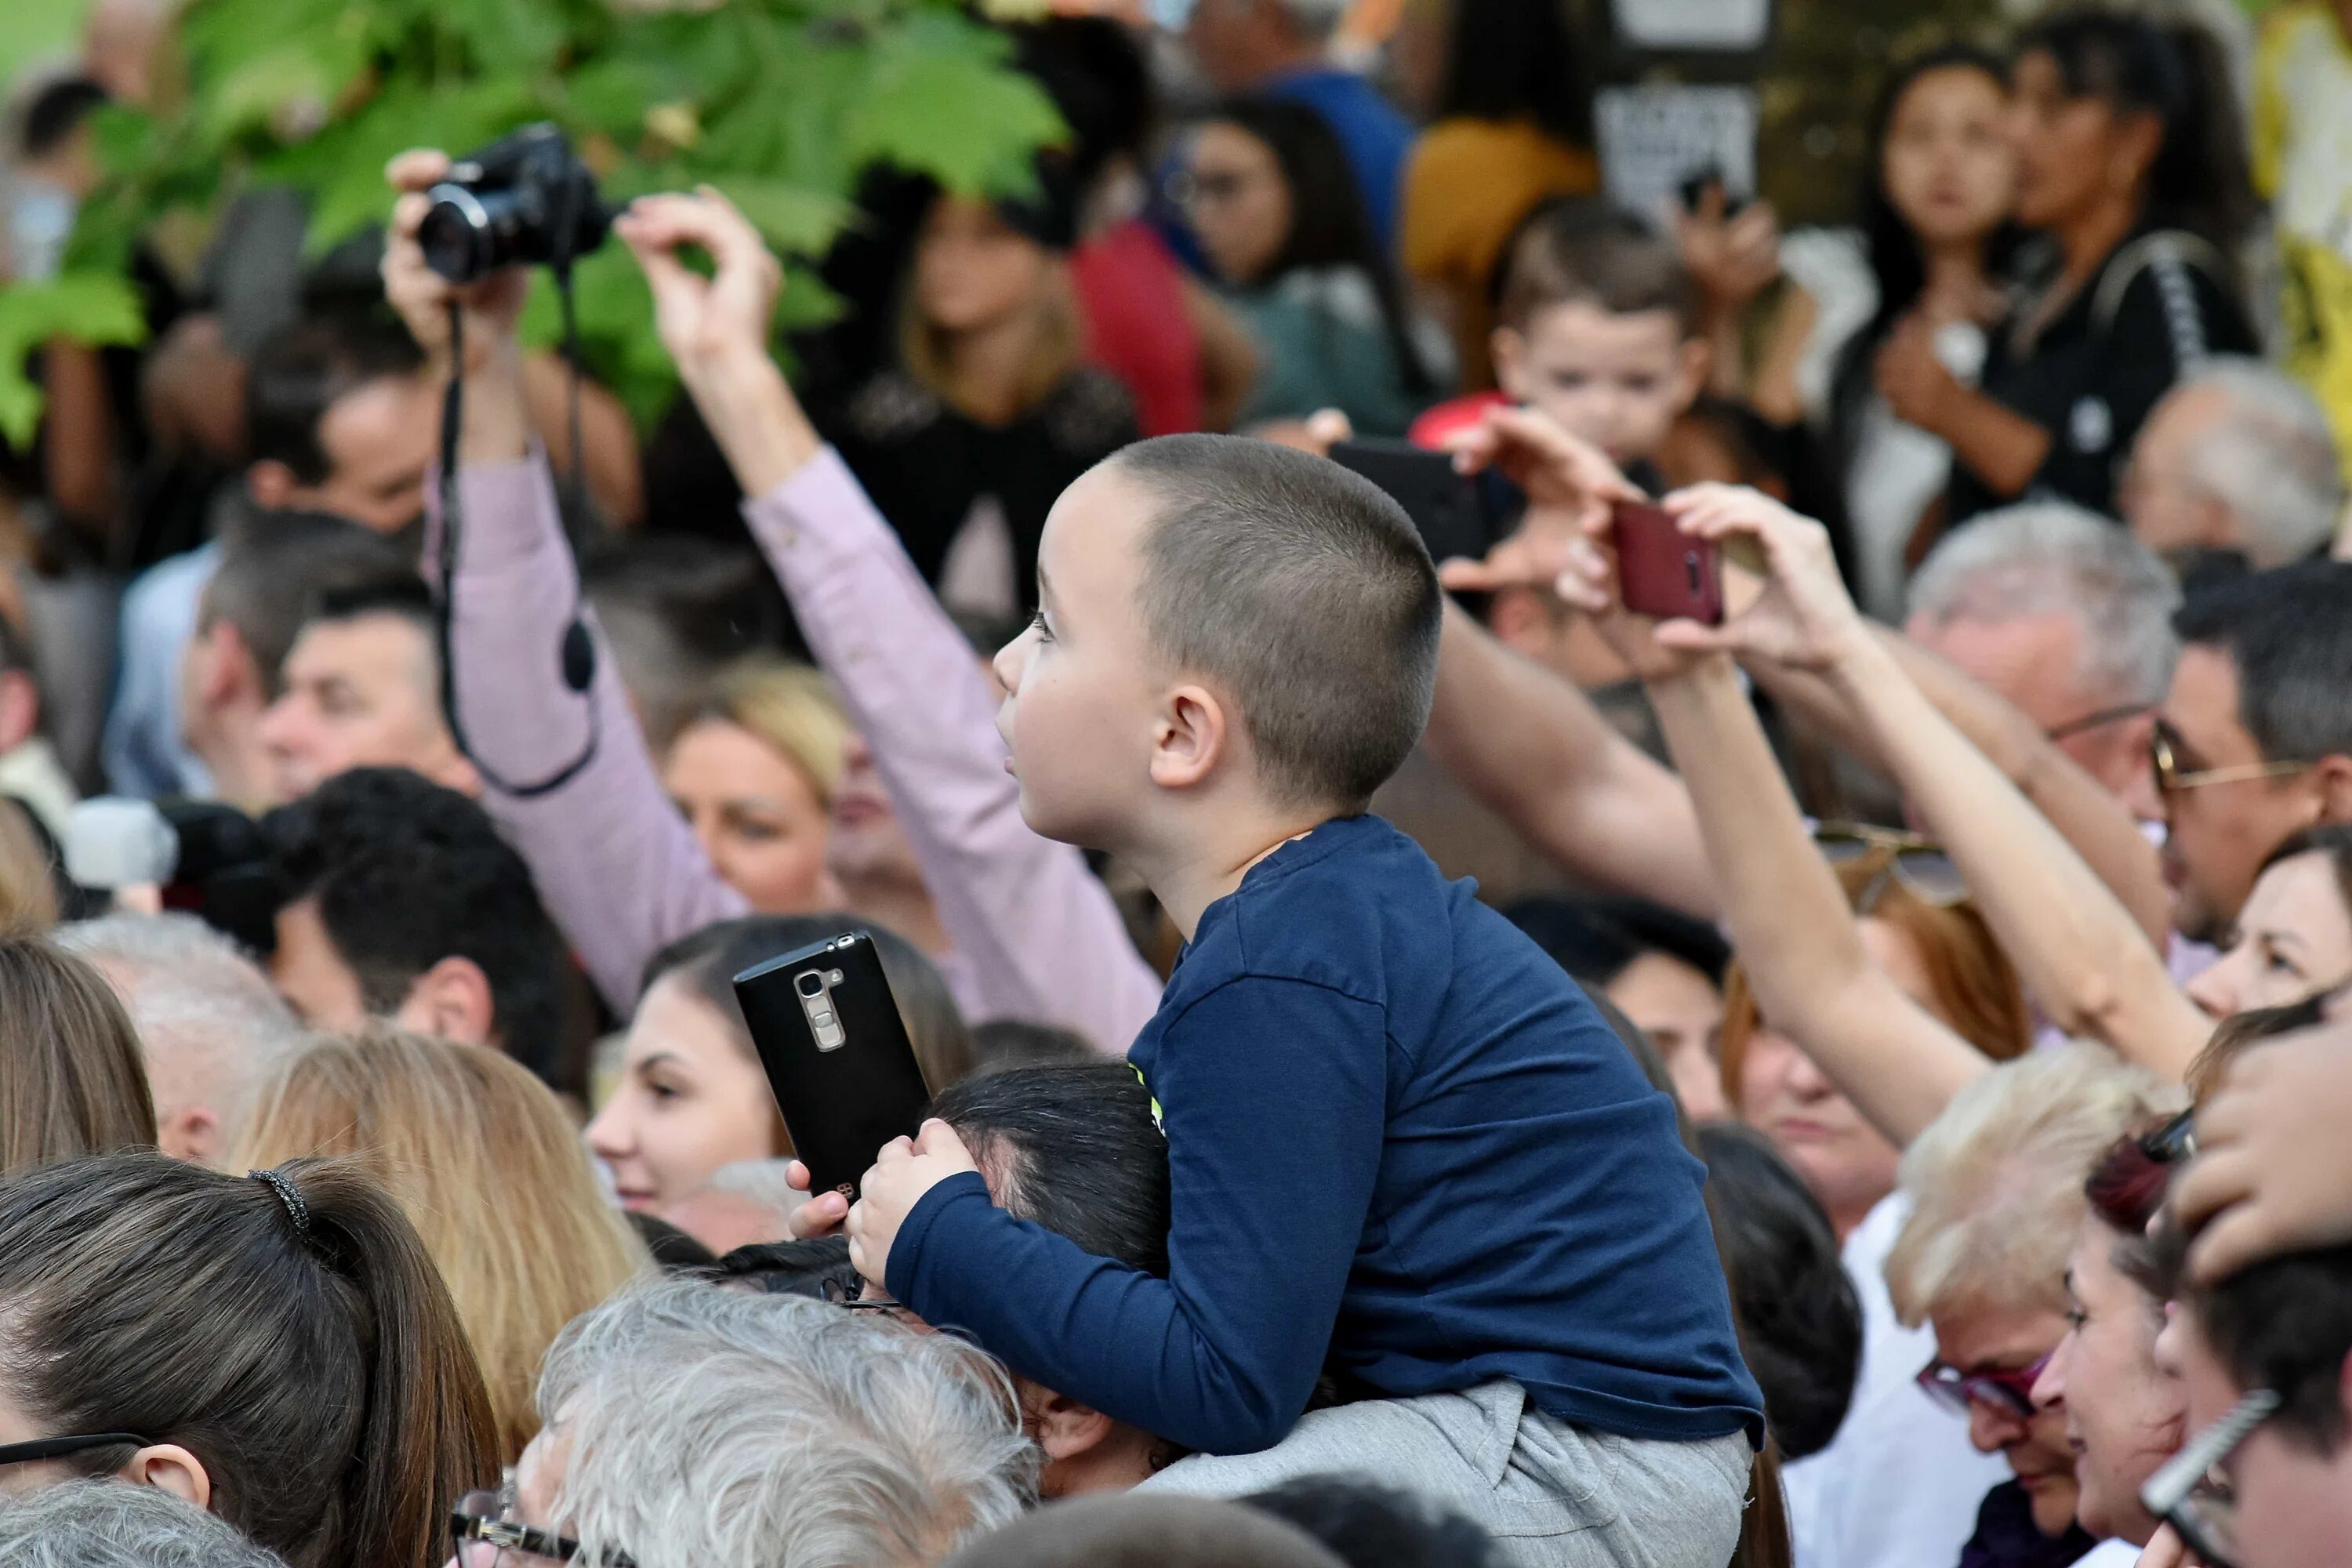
616 866
1036 932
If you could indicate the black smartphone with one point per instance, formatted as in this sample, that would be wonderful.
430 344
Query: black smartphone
1459 515
837 1057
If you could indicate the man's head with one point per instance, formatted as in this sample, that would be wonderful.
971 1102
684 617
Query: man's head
2258 730
2065 616
339 419
402 902
1076 1150
1149 1531
277 571
362 688
209 1023
2284 1325
1597 327
1241 43
715 1426
1229 629
2237 457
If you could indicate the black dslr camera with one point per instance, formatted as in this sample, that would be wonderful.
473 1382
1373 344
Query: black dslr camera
524 199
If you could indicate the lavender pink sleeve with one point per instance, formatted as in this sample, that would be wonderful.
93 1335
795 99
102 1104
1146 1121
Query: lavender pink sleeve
1034 930
616 866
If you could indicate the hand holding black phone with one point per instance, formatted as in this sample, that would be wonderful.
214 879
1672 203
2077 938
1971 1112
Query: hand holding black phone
836 1055
1459 516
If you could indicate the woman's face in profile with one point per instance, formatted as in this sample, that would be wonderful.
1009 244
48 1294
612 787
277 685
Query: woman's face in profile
690 1098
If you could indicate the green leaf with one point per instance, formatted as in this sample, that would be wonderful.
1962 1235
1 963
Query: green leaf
794 218
80 307
936 103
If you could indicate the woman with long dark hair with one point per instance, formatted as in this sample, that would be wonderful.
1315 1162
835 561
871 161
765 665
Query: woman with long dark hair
1935 239
275 1348
2131 166
1511 128
1269 192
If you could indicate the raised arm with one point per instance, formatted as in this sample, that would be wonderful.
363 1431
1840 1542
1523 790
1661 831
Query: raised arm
1532 749
2098 826
615 865
2086 961
1039 934
1789 921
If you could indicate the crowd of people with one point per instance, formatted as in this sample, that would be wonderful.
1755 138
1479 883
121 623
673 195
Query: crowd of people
1881 1105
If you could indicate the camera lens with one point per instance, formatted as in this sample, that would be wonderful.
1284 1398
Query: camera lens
459 233
810 986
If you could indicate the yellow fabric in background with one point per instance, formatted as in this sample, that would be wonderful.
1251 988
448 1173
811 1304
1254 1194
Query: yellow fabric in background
2303 165
1468 185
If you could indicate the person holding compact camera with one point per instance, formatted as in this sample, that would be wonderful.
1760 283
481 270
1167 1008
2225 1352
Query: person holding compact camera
1027 932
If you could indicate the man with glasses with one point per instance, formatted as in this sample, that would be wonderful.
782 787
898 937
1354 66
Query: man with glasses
2063 615
2254 741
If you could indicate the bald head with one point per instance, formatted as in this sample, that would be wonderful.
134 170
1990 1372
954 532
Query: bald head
1143 1530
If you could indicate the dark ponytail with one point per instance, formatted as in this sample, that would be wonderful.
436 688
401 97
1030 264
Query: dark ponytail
290 1334
2199 180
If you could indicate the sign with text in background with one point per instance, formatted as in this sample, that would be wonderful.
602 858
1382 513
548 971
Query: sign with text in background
1655 137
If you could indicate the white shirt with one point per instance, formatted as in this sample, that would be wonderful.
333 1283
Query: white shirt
1900 1485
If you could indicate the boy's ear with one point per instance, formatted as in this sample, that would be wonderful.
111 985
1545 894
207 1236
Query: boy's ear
1509 350
1191 739
1697 361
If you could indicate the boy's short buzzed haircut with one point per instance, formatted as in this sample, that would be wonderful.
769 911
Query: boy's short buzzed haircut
1304 590
1587 252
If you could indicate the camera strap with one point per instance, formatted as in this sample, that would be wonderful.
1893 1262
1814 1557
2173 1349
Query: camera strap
577 651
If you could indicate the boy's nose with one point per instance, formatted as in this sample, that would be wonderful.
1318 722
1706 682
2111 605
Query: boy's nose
1010 661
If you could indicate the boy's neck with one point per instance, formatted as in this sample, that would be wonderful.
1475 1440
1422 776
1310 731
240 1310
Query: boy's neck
1190 876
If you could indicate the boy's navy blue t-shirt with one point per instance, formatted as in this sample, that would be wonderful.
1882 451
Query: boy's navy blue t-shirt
1396 1130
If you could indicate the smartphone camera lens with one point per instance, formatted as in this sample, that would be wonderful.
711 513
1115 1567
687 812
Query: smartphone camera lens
810 985
1690 570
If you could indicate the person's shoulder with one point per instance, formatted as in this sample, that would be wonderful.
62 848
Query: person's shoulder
1321 907
2172 286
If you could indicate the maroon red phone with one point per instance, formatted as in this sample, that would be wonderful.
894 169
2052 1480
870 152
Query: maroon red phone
1662 571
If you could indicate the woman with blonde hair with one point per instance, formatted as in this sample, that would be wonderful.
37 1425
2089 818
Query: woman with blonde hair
754 771
482 1159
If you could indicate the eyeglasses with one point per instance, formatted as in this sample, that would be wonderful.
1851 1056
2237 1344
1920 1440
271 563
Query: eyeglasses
41 1448
2098 721
1920 864
2193 1495
2004 1393
844 1293
2170 777
482 1531
1187 190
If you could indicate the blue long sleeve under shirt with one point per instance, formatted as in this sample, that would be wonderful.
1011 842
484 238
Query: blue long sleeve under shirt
1396 1133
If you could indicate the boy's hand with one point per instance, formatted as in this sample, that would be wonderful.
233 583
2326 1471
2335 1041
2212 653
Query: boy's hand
1803 617
422 296
2274 1170
902 1174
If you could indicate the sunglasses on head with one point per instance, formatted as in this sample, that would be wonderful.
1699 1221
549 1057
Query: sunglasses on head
1921 865
2004 1393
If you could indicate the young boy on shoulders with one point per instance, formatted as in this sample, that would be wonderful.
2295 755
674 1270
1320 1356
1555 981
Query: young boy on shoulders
1396 1132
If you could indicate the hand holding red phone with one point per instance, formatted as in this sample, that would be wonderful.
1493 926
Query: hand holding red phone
1803 617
